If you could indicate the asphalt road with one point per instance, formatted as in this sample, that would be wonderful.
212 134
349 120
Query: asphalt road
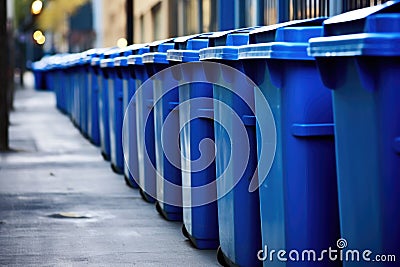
60 203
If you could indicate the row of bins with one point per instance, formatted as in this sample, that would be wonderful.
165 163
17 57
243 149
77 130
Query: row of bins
281 138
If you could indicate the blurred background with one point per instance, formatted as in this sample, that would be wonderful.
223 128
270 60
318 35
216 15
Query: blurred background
44 27
31 29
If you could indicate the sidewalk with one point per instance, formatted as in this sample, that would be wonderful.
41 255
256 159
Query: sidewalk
55 174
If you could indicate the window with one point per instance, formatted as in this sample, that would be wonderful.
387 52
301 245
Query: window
209 15
156 15
270 12
142 27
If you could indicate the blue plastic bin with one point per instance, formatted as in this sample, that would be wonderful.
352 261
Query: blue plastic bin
39 73
104 123
238 209
93 97
298 197
165 134
126 74
74 76
200 222
83 94
359 59
144 129
115 110
136 77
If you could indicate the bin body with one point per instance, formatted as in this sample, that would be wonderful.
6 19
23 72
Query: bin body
130 84
166 133
145 133
129 144
93 105
364 82
298 197
83 97
238 209
115 98
196 124
104 124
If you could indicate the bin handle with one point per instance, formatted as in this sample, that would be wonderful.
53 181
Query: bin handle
397 145
249 120
311 130
174 106
205 113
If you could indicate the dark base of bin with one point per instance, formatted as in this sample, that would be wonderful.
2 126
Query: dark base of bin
85 135
200 243
94 142
62 111
224 260
169 216
105 156
130 183
146 197
117 169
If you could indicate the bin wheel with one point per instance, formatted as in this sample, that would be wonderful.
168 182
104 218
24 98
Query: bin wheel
127 182
114 168
105 157
159 210
185 232
142 194
221 258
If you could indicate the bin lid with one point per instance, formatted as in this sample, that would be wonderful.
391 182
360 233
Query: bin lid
39 65
112 52
224 45
372 31
95 61
229 51
290 43
190 50
136 57
267 34
158 53
106 63
181 43
121 61
190 54
288 40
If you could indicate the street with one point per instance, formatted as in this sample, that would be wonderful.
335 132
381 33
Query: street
61 204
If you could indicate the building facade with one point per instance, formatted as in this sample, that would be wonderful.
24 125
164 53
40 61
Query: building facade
109 21
160 19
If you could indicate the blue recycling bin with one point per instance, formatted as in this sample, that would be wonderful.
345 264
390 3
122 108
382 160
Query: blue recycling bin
166 132
83 94
59 83
144 129
200 220
135 74
62 97
93 71
71 70
238 209
358 60
129 85
67 85
69 73
39 74
115 110
298 196
104 123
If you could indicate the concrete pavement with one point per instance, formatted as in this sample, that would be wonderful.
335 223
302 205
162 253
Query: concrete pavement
54 174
